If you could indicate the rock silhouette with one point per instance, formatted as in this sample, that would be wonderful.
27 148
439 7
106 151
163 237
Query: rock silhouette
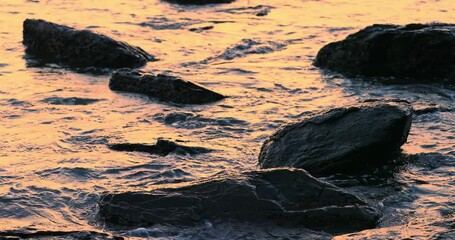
162 147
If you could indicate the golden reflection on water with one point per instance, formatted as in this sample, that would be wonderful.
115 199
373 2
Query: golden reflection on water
271 89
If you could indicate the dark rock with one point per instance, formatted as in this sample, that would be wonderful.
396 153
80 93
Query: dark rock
263 12
415 52
201 29
199 2
284 196
162 87
79 48
162 147
340 140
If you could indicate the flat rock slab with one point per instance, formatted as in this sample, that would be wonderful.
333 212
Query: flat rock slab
284 196
79 48
162 87
162 147
411 53
340 140
199 2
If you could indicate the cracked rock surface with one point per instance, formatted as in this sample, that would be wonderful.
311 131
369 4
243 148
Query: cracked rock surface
285 196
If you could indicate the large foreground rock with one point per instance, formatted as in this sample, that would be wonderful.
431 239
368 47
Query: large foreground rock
419 52
199 2
61 44
162 87
284 196
340 140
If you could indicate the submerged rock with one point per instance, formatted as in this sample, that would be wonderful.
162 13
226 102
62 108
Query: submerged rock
190 120
340 140
250 46
199 2
70 101
414 52
259 10
79 48
163 23
242 49
284 196
162 147
162 87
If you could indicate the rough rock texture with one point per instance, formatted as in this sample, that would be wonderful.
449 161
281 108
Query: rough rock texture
162 147
162 87
61 44
418 52
342 139
284 196
198 2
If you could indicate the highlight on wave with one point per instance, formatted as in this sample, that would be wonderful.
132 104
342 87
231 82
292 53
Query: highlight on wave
227 119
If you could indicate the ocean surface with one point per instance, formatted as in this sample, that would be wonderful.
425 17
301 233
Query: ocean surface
56 123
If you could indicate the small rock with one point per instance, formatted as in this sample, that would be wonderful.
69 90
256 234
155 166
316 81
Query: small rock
162 147
340 140
201 29
162 87
410 53
79 48
289 197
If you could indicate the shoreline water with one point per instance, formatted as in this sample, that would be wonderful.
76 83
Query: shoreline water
54 160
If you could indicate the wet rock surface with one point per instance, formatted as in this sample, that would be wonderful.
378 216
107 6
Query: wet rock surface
79 48
286 196
162 147
162 87
340 140
410 53
198 2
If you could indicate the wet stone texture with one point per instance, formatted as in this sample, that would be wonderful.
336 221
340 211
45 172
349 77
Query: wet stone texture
79 48
340 140
162 87
289 197
414 52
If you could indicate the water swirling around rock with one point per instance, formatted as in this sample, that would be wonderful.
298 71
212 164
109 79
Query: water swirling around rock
55 161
